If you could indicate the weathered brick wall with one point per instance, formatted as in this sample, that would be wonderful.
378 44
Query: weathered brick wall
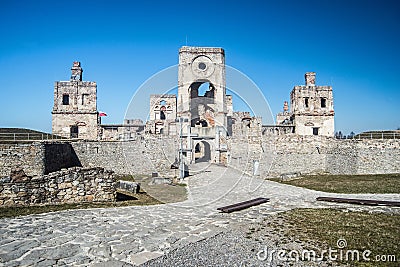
71 185
312 155
30 157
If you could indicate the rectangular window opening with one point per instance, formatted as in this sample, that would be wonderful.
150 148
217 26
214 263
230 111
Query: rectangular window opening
323 102
315 131
65 100
306 102
74 131
85 99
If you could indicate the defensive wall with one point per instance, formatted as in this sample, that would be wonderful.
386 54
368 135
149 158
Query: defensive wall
74 171
314 155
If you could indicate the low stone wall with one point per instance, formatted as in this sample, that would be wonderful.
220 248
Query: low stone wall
71 185
142 156
374 156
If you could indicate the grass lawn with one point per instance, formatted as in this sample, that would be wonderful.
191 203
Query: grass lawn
350 184
377 232
166 193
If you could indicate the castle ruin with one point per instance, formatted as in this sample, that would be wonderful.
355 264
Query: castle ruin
201 113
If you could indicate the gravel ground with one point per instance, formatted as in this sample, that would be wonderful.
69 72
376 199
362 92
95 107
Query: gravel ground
241 245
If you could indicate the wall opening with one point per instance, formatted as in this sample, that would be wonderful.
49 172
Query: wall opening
74 131
85 99
202 123
202 152
162 113
323 102
315 130
202 100
65 100
306 102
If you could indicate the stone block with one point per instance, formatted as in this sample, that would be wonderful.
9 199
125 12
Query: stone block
132 187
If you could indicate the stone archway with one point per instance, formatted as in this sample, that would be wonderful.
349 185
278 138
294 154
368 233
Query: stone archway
202 152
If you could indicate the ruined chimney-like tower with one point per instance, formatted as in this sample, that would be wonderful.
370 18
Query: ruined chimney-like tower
76 71
310 78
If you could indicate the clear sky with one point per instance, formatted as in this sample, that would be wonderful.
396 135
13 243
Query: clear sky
353 45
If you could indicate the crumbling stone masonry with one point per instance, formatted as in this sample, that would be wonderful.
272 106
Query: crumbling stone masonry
71 185
311 109
311 155
38 158
74 112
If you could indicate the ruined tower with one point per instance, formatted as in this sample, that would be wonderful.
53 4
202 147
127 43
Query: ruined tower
202 89
202 105
75 112
311 108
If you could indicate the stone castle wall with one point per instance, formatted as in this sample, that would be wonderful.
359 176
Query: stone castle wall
276 155
66 186
37 158
29 157
58 156
312 155
141 156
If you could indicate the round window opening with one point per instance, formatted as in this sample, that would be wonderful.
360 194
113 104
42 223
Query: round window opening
202 66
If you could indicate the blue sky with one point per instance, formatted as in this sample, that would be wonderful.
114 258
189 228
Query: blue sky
352 45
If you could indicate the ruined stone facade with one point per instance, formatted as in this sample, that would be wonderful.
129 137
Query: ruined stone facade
202 110
201 113
162 115
203 103
74 112
129 130
202 66
311 109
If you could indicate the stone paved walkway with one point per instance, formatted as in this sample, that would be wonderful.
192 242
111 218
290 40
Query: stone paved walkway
132 235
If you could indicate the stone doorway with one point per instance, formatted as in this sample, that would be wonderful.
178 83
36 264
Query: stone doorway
202 152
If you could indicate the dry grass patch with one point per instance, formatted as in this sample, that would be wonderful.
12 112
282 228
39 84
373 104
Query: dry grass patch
350 184
377 232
